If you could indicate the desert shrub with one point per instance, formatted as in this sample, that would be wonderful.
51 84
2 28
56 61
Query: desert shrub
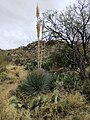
9 111
57 76
51 42
59 59
70 81
47 65
36 82
3 70
68 55
85 89
3 76
28 66
3 61
18 61
53 105
57 106
31 66
8 59
74 82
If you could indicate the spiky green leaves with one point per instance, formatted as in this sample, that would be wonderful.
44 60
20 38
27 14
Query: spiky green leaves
36 82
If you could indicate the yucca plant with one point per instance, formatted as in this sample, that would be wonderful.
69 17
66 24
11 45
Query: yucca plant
42 45
38 35
36 82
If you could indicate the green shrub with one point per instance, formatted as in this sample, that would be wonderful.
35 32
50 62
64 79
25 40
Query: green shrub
19 61
67 56
70 81
31 66
85 89
3 61
59 59
8 59
3 70
3 76
73 82
36 82
57 106
57 76
47 65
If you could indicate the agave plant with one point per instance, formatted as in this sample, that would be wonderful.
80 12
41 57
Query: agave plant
36 82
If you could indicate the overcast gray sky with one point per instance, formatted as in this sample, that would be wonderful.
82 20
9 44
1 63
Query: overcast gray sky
18 22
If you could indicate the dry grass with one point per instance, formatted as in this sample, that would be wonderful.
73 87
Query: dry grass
7 88
76 100
59 106
9 112
47 106
56 105
16 73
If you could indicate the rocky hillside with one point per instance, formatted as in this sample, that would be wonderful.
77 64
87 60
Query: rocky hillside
64 98
25 54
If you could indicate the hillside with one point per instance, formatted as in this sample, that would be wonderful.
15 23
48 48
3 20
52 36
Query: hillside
28 53
52 93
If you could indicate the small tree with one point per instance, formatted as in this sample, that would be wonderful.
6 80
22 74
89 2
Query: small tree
72 26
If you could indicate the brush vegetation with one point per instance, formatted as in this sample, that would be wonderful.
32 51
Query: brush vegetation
54 92
52 83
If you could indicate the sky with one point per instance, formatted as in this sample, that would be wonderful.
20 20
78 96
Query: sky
18 20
